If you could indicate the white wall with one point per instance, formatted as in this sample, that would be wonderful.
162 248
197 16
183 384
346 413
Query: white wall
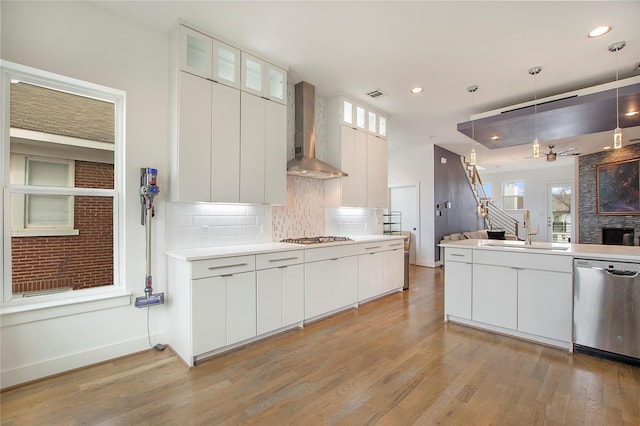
79 40
535 187
410 166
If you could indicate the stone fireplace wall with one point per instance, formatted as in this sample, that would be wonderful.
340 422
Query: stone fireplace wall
590 222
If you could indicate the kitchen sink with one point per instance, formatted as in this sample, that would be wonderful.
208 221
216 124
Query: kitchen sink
522 245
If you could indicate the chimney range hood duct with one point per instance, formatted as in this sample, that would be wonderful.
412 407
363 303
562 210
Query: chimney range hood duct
305 163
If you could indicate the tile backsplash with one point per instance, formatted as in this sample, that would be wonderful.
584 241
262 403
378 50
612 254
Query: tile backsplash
194 225
303 215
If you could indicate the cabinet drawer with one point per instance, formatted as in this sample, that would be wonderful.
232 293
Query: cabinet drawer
333 252
371 247
394 245
545 262
281 258
222 266
458 255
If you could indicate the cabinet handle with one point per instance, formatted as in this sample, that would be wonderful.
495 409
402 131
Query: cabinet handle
282 267
396 245
372 248
226 275
211 268
335 258
283 259
456 255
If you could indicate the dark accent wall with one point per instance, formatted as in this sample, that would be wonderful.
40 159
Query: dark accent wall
451 184
590 222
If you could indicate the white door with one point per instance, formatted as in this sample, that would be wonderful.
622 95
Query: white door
559 212
404 199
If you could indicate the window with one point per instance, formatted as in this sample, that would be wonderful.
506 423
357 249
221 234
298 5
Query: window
485 191
64 191
513 195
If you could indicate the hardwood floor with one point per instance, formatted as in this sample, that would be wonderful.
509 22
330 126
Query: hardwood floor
391 362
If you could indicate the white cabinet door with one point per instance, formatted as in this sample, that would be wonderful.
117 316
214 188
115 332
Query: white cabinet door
195 52
269 300
226 64
252 149
370 275
345 282
393 269
495 295
209 308
194 144
225 144
276 84
457 289
241 307
376 172
275 154
544 304
354 163
253 74
292 294
318 288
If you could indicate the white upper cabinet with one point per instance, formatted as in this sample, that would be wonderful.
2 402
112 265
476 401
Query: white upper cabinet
225 64
263 79
195 52
277 83
363 118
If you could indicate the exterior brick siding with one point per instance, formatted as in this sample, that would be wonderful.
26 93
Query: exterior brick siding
51 111
78 261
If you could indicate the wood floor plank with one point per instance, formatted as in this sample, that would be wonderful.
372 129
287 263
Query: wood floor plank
391 362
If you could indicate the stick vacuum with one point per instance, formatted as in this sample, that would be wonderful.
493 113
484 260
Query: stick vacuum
148 190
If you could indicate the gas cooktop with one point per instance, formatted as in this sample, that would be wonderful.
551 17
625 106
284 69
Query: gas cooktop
316 240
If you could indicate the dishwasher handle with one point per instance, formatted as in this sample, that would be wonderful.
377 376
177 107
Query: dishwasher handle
630 274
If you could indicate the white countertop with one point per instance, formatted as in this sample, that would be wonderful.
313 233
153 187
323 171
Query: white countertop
192 254
587 251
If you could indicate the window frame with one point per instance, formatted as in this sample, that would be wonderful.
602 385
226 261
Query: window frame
504 197
110 294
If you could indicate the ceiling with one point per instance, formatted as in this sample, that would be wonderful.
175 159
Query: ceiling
356 47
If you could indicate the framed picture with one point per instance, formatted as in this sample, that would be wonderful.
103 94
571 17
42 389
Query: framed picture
618 188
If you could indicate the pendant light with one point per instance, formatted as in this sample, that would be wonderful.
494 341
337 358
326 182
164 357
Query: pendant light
617 133
536 144
472 156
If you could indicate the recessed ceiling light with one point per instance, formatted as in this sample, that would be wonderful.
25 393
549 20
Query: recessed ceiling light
416 90
495 137
600 31
631 113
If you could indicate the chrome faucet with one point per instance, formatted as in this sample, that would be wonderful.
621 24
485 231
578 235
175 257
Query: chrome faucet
526 224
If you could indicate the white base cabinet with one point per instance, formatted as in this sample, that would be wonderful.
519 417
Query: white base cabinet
458 275
527 295
380 268
280 289
330 279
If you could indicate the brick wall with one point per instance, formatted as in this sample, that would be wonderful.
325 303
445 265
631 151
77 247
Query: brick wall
591 223
78 261
51 111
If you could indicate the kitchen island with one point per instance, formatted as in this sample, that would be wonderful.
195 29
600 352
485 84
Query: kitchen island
521 290
220 298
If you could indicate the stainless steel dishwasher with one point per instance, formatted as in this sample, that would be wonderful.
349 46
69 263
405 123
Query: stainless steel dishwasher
606 311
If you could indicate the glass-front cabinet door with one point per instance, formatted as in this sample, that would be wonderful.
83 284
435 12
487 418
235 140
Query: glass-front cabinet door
382 126
347 112
195 52
277 82
253 71
226 64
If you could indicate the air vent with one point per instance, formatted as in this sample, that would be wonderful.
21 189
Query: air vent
376 93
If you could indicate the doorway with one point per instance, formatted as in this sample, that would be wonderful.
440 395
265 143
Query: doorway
404 199
559 212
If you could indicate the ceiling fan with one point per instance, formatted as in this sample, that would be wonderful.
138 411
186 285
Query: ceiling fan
551 155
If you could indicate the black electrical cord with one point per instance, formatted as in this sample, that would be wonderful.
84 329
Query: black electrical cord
159 347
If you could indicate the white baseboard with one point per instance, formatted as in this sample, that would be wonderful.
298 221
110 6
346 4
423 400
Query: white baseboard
73 361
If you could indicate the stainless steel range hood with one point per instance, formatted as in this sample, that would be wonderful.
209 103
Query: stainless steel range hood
305 163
